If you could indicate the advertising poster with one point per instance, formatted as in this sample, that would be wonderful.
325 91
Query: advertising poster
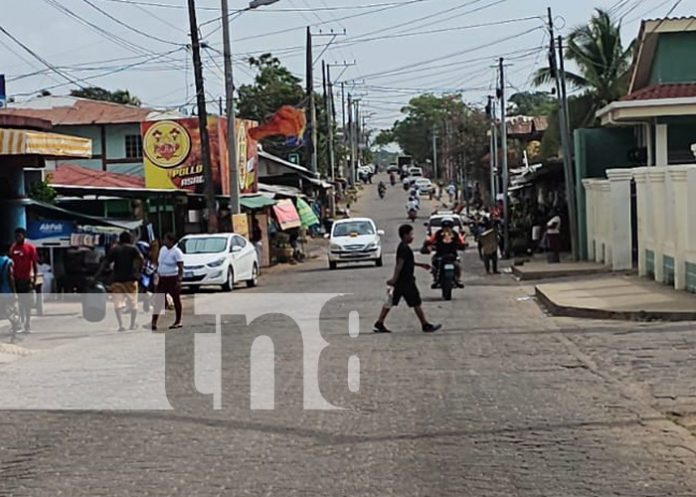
172 155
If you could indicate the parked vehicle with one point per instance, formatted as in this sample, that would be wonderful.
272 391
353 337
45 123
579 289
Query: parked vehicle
355 240
425 186
223 259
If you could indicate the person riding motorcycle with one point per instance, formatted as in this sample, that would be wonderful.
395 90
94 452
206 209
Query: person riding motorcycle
412 206
447 242
392 178
381 187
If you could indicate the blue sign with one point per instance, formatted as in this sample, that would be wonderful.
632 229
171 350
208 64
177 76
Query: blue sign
3 93
40 230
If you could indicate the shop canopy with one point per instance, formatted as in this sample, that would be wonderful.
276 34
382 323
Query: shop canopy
254 202
52 211
27 142
287 215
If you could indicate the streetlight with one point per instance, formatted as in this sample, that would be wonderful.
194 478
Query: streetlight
229 91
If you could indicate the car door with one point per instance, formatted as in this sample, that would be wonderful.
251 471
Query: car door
242 269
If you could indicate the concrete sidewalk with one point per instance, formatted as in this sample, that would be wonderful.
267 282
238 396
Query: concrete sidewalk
617 297
541 270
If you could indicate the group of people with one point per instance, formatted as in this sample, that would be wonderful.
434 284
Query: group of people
132 267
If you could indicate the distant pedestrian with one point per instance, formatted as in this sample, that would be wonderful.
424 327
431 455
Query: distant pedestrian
127 264
403 283
171 272
488 247
8 292
257 237
553 237
26 270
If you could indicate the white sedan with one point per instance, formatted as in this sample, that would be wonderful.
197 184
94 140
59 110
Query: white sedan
424 186
223 259
355 240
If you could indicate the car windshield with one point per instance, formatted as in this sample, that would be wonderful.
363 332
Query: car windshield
357 227
207 245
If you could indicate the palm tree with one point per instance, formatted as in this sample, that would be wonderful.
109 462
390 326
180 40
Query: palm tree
603 63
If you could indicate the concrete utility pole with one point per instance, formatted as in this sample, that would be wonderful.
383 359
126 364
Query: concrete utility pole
435 171
493 148
210 203
504 145
351 156
559 76
312 103
232 160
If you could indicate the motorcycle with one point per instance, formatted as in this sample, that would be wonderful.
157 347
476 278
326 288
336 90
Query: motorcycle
381 192
392 179
412 214
444 268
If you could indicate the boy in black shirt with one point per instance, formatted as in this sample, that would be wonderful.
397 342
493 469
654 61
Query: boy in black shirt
404 283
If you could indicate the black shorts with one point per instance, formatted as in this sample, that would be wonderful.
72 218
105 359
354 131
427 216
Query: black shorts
409 293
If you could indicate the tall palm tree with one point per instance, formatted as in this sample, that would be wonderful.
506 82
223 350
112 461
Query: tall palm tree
603 62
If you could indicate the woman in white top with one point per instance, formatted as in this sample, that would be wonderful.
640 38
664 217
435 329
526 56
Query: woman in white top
553 235
171 271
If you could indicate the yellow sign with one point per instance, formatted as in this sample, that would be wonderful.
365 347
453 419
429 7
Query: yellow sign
240 224
166 144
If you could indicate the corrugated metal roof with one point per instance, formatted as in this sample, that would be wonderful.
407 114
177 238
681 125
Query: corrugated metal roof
76 111
72 175
663 91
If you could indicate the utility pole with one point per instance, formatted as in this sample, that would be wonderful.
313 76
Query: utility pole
232 160
493 146
358 131
559 77
435 154
312 103
504 146
351 157
210 203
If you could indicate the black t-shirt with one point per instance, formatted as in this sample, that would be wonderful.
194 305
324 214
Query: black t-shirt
127 262
406 276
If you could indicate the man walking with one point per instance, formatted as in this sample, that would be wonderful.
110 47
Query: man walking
171 272
8 293
26 270
127 266
404 284
488 247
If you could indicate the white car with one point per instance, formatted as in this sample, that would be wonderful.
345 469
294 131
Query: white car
424 186
355 240
415 172
223 259
434 224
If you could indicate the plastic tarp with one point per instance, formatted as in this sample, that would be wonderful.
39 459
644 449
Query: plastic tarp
307 215
256 202
287 215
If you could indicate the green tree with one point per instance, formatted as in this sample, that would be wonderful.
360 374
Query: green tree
42 191
274 86
603 62
117 96
527 103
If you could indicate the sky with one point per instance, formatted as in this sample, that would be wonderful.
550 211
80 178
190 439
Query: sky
400 48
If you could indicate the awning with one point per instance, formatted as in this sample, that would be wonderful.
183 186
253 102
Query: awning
27 142
84 219
287 215
256 202
307 215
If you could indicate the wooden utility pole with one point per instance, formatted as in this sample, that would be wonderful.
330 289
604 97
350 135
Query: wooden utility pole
210 203
559 76
232 160
312 103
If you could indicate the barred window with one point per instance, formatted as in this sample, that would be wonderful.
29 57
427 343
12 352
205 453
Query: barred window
134 147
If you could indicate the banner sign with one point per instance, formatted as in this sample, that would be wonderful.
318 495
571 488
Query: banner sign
287 215
40 230
172 156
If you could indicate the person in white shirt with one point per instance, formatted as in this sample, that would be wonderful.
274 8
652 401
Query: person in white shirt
171 271
553 235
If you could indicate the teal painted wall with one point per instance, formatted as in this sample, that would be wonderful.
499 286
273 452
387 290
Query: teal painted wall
597 150
681 134
115 146
673 47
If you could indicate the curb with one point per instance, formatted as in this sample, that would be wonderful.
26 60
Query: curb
590 313
547 275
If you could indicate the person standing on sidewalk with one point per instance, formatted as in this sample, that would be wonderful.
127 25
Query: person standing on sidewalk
488 247
26 270
171 272
553 237
8 292
127 262
404 284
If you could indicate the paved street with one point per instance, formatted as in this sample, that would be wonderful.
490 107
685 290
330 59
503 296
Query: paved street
505 401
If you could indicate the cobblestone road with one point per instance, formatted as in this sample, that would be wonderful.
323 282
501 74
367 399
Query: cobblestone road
505 401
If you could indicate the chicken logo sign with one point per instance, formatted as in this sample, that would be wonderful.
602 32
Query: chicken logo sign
167 144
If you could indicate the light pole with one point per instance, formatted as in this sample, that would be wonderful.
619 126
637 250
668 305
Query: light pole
232 159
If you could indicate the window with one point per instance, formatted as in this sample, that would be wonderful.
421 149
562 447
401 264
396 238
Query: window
134 147
203 245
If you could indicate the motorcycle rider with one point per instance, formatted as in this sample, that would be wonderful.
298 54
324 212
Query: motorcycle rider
412 205
447 242
381 188
392 178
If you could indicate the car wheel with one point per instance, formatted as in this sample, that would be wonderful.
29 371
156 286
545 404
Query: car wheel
379 262
332 265
229 284
254 281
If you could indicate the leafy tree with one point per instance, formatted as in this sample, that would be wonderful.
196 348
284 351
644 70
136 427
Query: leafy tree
603 62
528 103
97 93
42 191
273 87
